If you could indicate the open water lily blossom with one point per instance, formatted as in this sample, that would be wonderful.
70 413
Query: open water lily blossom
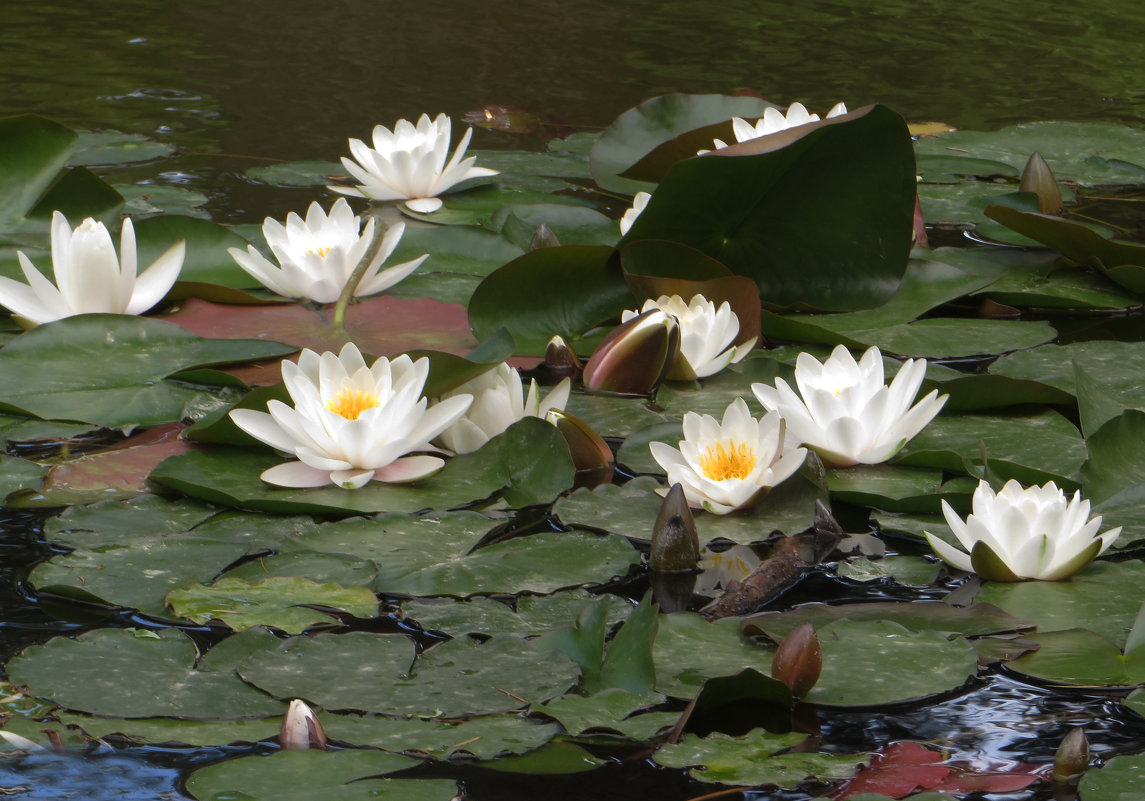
499 401
408 163
774 121
843 410
729 465
1016 533
707 334
90 278
351 423
316 256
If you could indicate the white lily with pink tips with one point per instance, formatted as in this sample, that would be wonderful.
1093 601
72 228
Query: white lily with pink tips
350 423
408 163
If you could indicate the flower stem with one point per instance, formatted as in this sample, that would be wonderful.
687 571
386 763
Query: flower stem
356 277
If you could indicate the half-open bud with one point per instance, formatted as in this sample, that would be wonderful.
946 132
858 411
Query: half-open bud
591 455
634 358
301 729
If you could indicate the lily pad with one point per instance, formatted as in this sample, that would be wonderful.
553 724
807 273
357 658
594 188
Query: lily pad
529 463
534 614
18 474
636 132
111 370
155 731
916 616
689 650
306 775
873 662
898 489
1120 779
753 759
98 672
458 678
484 737
274 601
1082 601
1081 658
613 709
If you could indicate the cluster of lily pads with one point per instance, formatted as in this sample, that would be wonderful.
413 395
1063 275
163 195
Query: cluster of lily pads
396 504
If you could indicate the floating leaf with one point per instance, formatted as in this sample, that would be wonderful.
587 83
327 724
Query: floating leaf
274 601
753 759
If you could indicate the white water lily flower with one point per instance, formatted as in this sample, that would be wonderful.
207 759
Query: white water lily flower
730 465
846 413
1031 533
498 402
639 201
316 256
774 121
707 334
89 276
351 423
408 164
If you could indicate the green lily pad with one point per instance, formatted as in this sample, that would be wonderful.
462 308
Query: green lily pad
34 150
1114 463
319 567
17 474
553 165
612 709
115 147
613 417
1032 448
753 759
145 200
1120 779
917 617
458 678
137 572
485 737
911 571
898 489
155 731
689 650
572 225
564 290
528 463
1084 600
1089 153
306 775
111 370
873 662
555 758
274 601
460 249
757 208
98 672
1079 657
534 614
638 131
298 173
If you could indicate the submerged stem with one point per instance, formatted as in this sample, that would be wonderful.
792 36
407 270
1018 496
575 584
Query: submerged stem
356 277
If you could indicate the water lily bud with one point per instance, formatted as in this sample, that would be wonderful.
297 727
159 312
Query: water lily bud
301 729
591 455
544 237
561 360
634 358
1038 178
1072 757
798 660
675 543
673 591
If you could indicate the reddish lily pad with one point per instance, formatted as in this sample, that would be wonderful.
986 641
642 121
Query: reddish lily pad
383 325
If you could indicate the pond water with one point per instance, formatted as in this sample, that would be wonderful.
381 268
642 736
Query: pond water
235 85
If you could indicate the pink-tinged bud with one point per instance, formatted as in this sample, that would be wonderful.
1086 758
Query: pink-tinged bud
634 358
1038 178
301 729
560 361
591 455
1072 757
798 660
675 543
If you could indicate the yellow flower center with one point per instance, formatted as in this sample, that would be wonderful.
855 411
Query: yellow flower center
350 403
321 252
737 460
